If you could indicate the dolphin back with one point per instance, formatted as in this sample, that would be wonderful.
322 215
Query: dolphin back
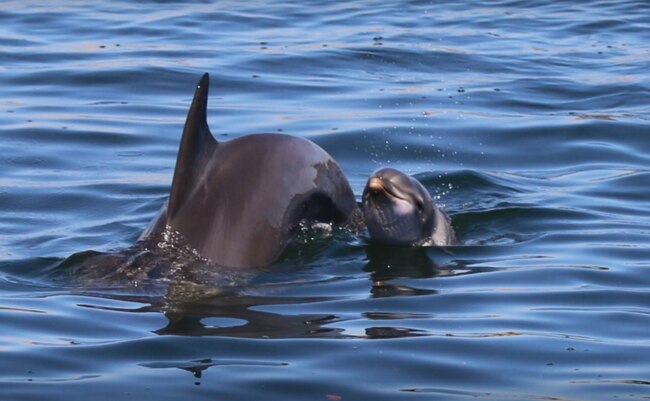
240 202
196 148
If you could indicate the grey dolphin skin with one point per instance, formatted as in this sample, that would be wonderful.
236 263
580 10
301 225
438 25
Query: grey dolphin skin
239 202
399 210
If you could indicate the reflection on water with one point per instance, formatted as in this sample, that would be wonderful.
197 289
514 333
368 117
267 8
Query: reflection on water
201 299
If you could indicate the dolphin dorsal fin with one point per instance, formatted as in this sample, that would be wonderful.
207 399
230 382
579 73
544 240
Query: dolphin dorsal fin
196 148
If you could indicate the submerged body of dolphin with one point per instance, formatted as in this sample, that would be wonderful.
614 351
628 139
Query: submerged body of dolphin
239 202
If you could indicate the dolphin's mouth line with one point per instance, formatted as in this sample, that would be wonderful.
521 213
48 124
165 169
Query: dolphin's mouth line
394 227
383 220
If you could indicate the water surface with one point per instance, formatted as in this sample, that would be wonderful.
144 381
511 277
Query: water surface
528 121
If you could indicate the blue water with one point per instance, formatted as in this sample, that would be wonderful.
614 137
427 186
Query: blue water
527 120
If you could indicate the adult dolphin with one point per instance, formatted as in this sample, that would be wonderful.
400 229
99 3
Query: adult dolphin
239 202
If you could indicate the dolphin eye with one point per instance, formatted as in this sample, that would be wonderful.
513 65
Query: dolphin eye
419 205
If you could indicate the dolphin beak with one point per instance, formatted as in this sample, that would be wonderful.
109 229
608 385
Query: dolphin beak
376 185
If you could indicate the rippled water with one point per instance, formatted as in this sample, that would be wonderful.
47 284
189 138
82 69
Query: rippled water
527 120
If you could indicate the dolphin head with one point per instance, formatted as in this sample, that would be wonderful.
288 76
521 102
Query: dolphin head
397 208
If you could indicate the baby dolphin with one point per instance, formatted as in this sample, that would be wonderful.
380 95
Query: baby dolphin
239 202
399 210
